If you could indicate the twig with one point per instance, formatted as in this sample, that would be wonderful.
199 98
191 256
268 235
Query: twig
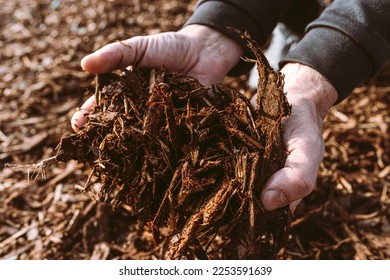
17 234
12 255
36 168
362 251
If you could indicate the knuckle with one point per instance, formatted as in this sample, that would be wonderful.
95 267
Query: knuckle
305 186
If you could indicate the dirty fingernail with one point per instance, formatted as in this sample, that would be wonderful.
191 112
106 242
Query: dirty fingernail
273 199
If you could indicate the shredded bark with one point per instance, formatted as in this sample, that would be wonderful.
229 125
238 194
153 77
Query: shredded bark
188 159
59 216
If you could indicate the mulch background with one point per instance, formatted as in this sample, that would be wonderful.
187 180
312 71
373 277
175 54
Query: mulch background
41 84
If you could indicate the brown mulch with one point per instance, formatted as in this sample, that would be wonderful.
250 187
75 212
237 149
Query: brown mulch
50 217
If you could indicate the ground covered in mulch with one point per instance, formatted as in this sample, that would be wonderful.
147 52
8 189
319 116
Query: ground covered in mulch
51 217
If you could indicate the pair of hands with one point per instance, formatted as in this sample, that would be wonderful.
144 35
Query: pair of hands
203 52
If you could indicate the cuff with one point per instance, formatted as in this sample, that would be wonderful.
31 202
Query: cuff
255 17
336 56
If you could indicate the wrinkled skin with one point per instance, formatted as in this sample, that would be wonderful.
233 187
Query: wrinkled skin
207 54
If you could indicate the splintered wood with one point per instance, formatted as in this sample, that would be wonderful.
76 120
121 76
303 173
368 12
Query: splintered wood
189 161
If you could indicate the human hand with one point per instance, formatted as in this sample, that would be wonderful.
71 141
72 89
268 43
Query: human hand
311 96
191 51
196 50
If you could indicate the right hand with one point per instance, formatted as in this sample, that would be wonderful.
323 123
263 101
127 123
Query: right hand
310 95
195 50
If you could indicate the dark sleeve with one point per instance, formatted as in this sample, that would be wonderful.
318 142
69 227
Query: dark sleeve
258 17
348 43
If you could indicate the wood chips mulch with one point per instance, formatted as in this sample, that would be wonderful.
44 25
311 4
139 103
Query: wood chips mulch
48 216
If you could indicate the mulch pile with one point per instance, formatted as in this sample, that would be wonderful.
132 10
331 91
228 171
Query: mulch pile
52 216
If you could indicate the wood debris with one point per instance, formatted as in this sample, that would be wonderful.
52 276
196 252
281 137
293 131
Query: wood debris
188 160
40 86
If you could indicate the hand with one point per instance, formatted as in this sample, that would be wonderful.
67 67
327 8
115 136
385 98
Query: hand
196 50
191 51
311 96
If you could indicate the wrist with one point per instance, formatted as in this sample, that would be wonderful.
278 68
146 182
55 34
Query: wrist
306 86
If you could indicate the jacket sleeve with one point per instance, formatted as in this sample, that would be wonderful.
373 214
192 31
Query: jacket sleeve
258 17
348 43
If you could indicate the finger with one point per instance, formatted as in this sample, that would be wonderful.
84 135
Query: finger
113 56
168 50
294 204
297 179
79 118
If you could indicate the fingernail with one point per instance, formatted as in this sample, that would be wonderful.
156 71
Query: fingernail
274 199
82 62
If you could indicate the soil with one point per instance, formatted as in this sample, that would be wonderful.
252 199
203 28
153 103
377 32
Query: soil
52 215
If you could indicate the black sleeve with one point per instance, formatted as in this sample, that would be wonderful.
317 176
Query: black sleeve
348 43
258 17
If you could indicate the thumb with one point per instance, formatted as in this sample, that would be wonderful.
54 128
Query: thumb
298 177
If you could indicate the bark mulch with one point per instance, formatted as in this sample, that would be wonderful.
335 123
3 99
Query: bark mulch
50 215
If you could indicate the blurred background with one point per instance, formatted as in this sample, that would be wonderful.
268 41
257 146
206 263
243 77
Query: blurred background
46 216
